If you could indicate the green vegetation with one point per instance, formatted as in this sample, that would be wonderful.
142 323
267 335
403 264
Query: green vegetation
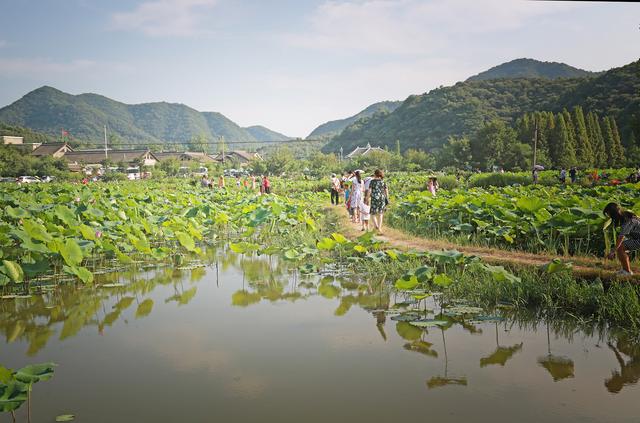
14 162
261 133
530 68
558 220
427 121
332 128
49 110
16 386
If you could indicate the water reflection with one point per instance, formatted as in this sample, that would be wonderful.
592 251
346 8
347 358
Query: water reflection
559 367
64 311
629 372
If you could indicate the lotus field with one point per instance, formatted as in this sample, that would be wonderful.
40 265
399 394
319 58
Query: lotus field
62 230
558 220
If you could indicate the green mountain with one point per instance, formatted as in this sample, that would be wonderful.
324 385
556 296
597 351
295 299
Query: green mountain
531 68
49 110
265 134
332 128
426 121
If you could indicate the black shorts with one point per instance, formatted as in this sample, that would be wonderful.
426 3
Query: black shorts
631 244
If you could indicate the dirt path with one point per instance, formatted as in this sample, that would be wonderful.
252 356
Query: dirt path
587 267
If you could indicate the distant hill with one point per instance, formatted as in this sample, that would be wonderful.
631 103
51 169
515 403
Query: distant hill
49 110
531 68
265 134
426 121
334 127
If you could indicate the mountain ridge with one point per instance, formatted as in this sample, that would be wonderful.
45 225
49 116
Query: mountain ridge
427 120
532 68
334 127
49 110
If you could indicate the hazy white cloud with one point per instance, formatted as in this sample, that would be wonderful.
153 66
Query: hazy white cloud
160 18
412 26
44 67
3 43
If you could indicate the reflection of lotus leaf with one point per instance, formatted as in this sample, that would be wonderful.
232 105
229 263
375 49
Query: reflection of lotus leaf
559 367
501 355
328 290
144 309
437 381
407 331
245 298
422 347
184 298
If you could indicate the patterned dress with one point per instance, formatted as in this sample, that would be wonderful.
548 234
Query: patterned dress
378 196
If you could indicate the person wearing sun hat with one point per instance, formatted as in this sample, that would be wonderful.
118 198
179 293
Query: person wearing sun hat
335 189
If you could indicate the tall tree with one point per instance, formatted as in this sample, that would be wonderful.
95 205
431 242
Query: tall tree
597 140
489 144
584 150
615 153
617 142
563 153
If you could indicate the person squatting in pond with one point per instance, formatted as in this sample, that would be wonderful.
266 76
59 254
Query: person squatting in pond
628 238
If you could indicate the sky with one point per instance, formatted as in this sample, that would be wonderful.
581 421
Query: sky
291 65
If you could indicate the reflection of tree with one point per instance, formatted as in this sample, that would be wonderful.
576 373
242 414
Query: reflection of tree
502 354
559 367
629 373
439 381
36 319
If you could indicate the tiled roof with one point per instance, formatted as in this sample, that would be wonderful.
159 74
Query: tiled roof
50 149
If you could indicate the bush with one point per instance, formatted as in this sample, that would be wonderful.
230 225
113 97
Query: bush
485 180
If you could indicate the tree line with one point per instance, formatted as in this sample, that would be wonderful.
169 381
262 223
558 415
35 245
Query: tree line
561 140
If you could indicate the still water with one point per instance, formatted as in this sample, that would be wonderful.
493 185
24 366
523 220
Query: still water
248 340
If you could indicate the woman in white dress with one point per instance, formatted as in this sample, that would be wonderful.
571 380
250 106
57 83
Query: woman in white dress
357 193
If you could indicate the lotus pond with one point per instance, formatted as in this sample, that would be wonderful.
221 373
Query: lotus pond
235 337
175 303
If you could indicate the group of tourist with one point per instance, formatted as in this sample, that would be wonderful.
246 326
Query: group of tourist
365 197
248 183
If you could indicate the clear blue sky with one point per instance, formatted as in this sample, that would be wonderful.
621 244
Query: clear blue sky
293 64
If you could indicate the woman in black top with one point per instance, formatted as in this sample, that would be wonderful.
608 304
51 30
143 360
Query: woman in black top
628 238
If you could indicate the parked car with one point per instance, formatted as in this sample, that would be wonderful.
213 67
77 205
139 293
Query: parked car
200 172
7 179
133 172
48 179
28 179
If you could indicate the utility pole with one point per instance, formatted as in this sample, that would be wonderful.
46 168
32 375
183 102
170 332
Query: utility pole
535 142
105 142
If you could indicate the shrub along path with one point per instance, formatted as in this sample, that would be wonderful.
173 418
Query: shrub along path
586 267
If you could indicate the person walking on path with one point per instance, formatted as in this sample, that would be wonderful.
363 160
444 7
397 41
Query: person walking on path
563 176
266 185
433 185
573 175
335 189
357 187
379 194
628 238
365 210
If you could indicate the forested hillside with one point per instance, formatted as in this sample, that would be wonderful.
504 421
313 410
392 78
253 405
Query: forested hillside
426 121
332 128
530 68
49 110
261 133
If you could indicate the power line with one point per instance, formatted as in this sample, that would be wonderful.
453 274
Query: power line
208 143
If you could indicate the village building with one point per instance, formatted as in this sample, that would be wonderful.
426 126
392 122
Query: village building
363 151
241 156
186 156
80 159
53 149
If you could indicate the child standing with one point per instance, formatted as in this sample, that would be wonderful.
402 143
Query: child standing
365 209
